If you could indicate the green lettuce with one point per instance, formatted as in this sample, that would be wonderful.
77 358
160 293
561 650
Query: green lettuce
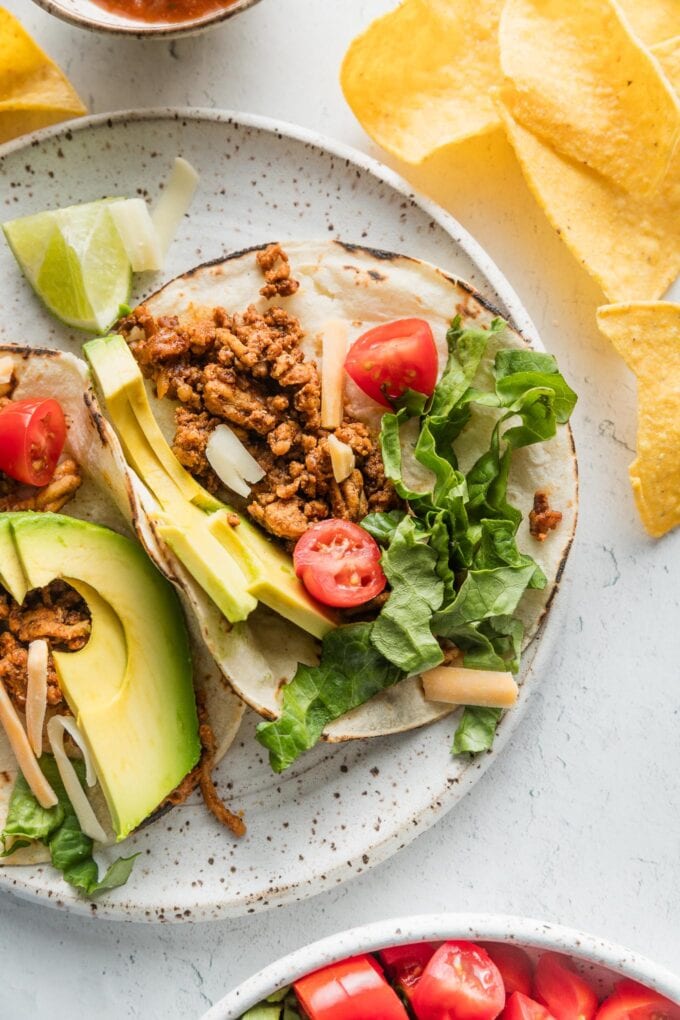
59 830
476 730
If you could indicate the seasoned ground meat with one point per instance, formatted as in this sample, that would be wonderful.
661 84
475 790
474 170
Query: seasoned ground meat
542 518
51 497
249 371
273 262
57 614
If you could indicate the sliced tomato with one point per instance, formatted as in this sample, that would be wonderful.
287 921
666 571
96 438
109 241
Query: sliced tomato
353 989
32 437
521 1007
565 993
389 359
460 982
514 964
405 964
339 563
633 1001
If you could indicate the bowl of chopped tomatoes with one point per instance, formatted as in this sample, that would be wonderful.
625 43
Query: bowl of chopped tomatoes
457 967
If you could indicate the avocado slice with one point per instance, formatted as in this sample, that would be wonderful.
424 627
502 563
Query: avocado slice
12 577
259 570
130 688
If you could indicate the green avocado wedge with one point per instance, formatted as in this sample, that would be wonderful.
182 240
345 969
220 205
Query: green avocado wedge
130 688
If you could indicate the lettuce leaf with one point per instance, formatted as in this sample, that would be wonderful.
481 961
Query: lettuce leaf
59 830
476 730
350 672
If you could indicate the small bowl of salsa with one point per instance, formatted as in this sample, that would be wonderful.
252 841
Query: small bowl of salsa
166 19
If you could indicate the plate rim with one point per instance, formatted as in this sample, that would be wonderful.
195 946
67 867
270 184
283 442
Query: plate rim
540 645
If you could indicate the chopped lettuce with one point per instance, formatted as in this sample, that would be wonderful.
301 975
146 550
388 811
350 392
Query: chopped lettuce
59 830
476 730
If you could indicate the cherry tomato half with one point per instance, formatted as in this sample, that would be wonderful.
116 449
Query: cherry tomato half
339 563
32 437
521 1007
564 992
632 1001
405 964
397 356
461 982
353 989
514 964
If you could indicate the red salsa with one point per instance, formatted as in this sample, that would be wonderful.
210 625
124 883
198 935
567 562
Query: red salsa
164 10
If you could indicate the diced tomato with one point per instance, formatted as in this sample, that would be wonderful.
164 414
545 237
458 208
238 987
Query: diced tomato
392 358
353 989
339 563
514 964
521 1007
32 437
565 993
405 964
633 1001
460 982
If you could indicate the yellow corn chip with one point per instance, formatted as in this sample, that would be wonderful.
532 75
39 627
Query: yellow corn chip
586 85
668 55
647 336
653 20
33 91
419 78
630 245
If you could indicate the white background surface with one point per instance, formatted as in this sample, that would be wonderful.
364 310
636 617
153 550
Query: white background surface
578 821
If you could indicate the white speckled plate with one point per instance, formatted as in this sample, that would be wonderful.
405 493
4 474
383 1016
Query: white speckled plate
601 962
345 807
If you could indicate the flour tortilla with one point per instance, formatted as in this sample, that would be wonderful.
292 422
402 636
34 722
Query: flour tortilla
110 495
364 287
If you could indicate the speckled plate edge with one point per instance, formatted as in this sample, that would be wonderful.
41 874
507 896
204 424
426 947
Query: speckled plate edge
503 297
487 927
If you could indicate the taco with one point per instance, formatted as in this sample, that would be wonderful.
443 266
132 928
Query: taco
96 663
383 460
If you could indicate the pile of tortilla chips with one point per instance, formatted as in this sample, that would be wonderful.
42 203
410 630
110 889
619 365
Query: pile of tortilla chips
591 111
33 91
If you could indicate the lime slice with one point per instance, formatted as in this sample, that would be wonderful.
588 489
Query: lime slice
75 261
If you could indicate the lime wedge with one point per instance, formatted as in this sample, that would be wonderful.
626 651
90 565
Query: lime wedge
75 261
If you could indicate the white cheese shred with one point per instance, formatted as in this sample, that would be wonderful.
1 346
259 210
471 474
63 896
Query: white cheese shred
460 686
231 461
174 202
334 351
36 693
87 819
26 760
138 234
342 458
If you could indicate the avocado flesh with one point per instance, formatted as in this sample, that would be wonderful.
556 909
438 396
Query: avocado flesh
263 571
130 688
12 577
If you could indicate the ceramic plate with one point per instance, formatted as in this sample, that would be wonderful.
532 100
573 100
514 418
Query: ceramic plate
346 807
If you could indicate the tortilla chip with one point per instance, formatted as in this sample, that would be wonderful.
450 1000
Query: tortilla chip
668 55
653 21
630 245
419 78
647 336
33 91
587 86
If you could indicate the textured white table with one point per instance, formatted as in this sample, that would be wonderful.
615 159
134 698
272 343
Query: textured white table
578 822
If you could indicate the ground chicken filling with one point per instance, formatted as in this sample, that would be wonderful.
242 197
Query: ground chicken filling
248 370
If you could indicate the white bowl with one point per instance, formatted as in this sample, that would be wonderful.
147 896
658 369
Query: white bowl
600 961
87 14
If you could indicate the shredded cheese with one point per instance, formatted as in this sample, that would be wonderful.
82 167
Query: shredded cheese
342 458
174 202
460 686
87 819
36 693
26 760
231 461
138 234
6 370
334 352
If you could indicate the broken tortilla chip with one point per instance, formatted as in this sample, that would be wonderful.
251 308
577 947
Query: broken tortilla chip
653 21
630 245
647 336
419 78
586 85
33 91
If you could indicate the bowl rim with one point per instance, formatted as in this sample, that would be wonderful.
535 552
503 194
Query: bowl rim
146 30
542 935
